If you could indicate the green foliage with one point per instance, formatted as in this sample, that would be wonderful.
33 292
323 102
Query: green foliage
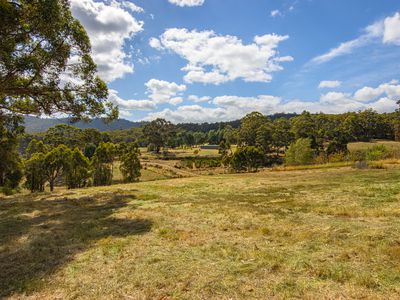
159 133
281 133
55 163
248 158
90 149
130 163
264 137
63 134
300 153
337 146
224 148
77 170
34 173
36 146
102 164
38 38
377 152
10 161
250 124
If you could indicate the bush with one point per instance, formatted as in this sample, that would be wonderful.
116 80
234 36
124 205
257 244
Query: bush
300 153
247 158
377 152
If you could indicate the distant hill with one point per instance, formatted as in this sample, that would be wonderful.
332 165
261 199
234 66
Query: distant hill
35 125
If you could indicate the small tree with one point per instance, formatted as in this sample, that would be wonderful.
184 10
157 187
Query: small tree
35 177
55 162
130 163
78 170
247 158
102 164
299 153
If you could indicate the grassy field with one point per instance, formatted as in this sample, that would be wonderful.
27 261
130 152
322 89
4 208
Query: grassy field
391 145
332 233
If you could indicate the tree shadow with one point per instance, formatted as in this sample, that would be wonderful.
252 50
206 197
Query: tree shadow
39 235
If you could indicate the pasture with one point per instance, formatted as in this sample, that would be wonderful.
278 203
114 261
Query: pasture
330 233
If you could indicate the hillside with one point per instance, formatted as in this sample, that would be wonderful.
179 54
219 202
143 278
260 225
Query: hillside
316 234
35 125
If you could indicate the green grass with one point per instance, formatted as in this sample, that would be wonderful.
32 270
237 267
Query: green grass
314 234
391 145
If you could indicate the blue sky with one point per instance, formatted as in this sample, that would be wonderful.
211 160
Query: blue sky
215 60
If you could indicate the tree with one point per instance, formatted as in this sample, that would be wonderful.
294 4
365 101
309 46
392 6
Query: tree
45 62
10 161
264 137
158 133
35 177
130 163
36 146
102 164
304 127
249 127
248 158
55 163
63 134
299 153
77 170
281 134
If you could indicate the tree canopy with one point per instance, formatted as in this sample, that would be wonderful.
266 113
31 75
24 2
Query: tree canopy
45 62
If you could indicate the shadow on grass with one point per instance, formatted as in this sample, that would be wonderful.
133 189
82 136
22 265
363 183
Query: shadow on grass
39 235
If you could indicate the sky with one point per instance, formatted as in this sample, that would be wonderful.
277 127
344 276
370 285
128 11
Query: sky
216 60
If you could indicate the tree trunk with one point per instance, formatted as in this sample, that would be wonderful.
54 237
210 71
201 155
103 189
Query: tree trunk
51 185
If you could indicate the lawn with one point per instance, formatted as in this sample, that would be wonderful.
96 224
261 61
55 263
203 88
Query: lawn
328 233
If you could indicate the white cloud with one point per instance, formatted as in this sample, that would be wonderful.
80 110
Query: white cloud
183 3
275 13
130 104
109 26
216 59
197 99
161 91
155 43
127 4
391 34
329 84
386 30
224 108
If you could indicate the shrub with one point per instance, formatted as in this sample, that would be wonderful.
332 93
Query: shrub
377 152
247 158
300 153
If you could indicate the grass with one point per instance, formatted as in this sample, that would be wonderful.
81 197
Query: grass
391 145
314 234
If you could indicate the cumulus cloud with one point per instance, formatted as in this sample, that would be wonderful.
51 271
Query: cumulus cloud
217 59
183 3
329 84
391 33
224 108
109 26
386 30
161 91
130 104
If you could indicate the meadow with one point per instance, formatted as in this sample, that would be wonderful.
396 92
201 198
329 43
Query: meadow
313 234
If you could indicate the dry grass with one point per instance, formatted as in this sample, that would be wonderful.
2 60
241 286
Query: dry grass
391 145
313 234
